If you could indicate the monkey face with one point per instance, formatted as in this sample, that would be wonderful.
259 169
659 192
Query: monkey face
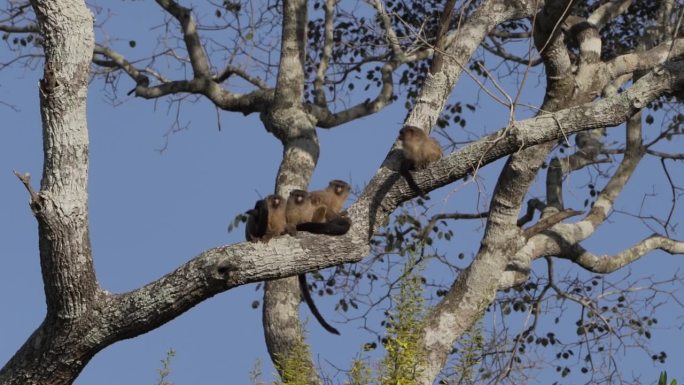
275 200
298 196
339 187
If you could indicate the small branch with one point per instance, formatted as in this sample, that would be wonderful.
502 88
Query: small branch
607 264
435 218
665 155
510 35
645 60
327 119
548 222
392 38
31 28
440 42
198 58
232 70
246 103
499 51
608 12
117 60
673 188
532 205
319 91
559 167
26 181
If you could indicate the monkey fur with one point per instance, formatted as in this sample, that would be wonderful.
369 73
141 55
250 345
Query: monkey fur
333 198
419 151
301 209
266 220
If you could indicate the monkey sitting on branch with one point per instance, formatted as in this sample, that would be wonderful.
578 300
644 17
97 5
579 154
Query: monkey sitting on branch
419 151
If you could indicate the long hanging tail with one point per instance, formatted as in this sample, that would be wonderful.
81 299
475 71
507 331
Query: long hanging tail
304 288
406 173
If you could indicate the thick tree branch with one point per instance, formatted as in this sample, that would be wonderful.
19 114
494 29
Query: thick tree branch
477 285
222 268
607 112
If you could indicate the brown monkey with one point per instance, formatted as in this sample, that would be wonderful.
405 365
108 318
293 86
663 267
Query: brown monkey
419 151
276 217
333 197
266 220
301 209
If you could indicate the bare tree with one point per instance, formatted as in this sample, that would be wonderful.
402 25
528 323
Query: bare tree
597 77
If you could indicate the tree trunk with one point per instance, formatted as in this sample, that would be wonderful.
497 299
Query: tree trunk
58 350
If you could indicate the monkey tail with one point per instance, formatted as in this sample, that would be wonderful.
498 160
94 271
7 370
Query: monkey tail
336 226
406 173
304 288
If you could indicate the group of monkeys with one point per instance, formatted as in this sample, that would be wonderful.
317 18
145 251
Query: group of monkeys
320 212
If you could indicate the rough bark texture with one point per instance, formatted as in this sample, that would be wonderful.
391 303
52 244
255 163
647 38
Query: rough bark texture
295 128
50 355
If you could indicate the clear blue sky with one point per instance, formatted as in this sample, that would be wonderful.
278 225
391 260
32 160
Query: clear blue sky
152 211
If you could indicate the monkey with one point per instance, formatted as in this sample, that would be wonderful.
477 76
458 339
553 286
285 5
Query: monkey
266 220
419 151
301 209
257 221
333 198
